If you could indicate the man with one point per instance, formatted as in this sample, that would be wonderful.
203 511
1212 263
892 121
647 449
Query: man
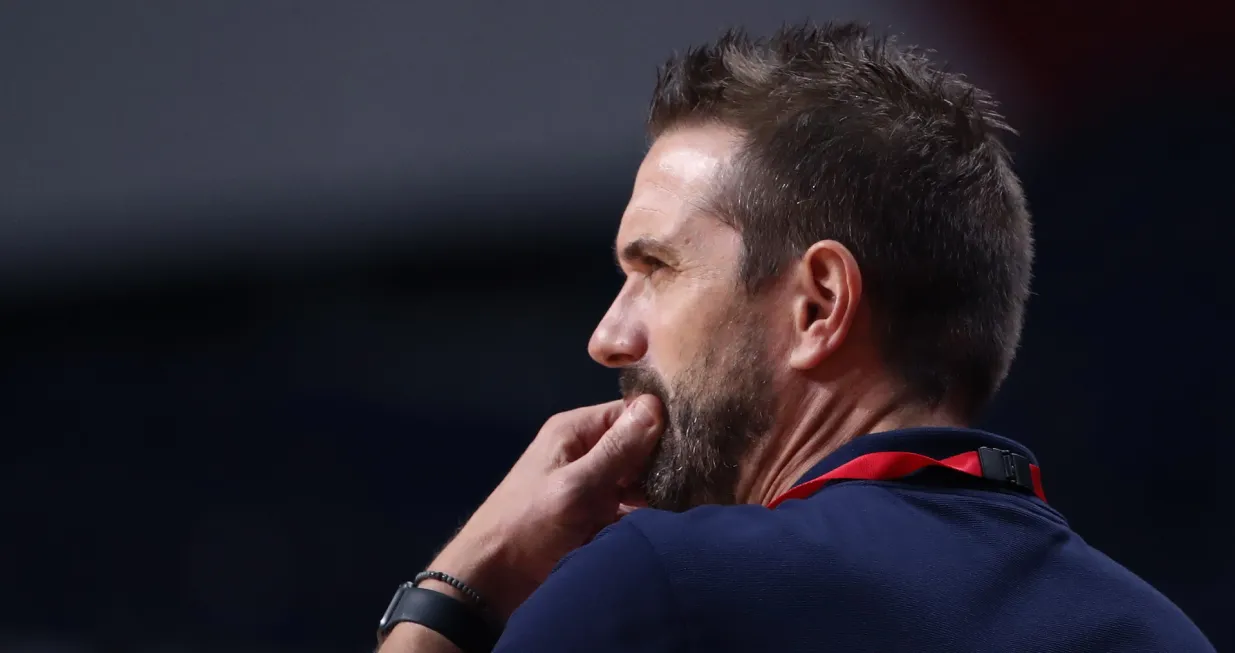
827 258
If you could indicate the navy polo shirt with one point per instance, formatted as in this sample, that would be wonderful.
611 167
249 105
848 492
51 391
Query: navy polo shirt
937 561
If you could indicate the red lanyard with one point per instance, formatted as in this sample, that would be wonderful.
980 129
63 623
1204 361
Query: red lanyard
991 464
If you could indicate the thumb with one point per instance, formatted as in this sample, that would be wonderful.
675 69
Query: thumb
625 446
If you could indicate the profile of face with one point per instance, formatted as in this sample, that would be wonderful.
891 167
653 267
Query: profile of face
683 327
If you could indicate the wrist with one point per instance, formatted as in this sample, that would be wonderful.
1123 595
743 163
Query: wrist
421 619
482 565
442 587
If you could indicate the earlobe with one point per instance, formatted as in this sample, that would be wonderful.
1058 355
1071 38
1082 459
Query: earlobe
826 290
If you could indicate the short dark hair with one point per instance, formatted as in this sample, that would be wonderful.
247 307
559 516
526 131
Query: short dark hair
855 139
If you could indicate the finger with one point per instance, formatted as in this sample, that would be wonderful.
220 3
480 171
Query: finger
575 432
593 421
626 445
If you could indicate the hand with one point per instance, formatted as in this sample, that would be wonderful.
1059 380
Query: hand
574 479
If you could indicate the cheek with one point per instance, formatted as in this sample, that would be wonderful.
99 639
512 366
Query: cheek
777 341
679 328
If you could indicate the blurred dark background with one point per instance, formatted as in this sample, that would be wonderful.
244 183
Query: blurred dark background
285 287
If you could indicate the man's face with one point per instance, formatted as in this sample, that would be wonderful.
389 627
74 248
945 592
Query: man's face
683 328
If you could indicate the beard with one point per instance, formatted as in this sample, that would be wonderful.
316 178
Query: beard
715 410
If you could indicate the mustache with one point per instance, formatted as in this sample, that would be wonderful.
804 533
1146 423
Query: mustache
639 380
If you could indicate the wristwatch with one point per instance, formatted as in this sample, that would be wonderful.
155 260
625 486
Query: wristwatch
464 625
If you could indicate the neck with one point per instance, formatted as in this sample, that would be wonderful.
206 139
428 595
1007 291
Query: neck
822 424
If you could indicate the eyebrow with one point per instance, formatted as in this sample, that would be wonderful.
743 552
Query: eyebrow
644 248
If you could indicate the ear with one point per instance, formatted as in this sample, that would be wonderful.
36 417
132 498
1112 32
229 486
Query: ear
826 289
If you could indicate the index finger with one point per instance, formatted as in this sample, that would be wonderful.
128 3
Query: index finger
605 415
580 429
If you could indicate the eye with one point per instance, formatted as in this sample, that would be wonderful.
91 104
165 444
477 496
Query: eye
652 264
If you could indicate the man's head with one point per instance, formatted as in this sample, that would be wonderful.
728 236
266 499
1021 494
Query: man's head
816 208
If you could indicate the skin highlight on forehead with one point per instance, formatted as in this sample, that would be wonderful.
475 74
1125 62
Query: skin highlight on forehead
668 210
689 166
686 164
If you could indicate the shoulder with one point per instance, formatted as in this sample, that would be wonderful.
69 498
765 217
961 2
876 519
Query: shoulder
734 535
708 550
747 577
706 579
638 583
725 531
612 594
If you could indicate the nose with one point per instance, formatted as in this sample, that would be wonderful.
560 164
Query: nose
619 340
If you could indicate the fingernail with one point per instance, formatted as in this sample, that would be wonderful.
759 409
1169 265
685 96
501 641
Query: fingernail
641 414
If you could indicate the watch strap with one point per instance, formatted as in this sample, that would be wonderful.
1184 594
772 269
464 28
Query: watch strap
462 624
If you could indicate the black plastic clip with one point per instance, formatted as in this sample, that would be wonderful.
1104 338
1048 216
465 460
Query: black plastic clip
1005 467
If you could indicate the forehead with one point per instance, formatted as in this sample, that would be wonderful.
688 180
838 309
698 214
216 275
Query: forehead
675 183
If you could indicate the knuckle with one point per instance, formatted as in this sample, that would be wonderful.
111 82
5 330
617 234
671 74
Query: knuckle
566 418
573 418
564 425
557 425
551 424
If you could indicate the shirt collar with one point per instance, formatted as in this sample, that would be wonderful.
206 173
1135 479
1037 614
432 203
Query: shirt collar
935 442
